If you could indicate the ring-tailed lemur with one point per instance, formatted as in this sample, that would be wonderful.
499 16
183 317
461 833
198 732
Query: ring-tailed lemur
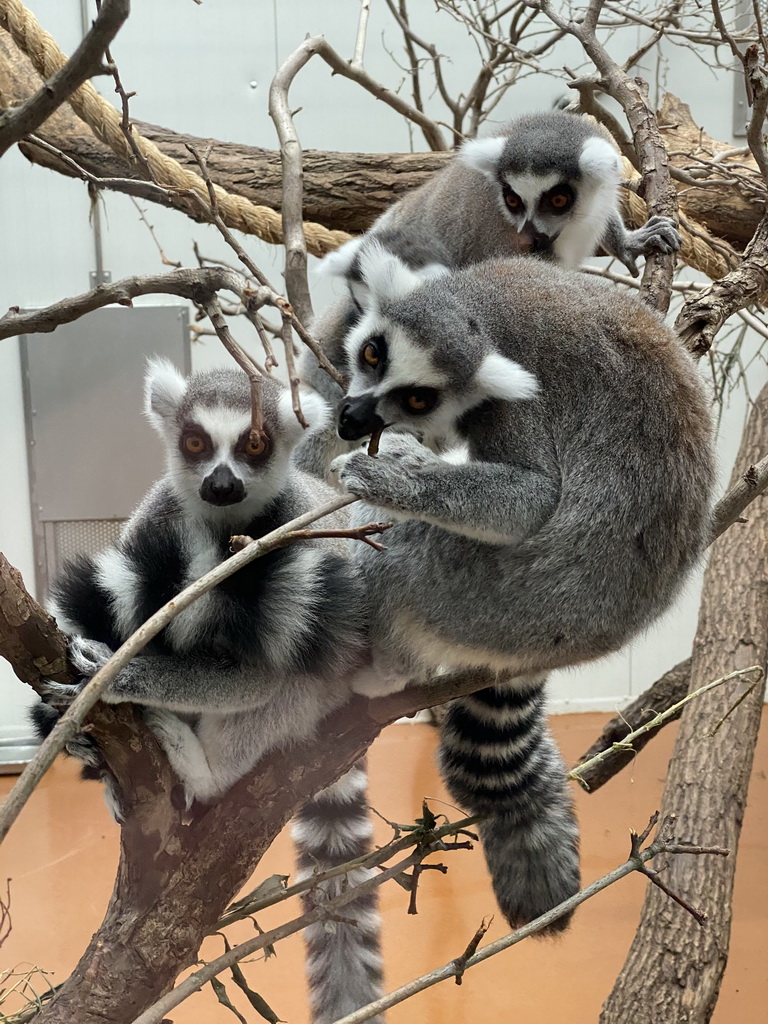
257 662
582 508
546 184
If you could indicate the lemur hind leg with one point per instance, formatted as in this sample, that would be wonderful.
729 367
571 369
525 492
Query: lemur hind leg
499 760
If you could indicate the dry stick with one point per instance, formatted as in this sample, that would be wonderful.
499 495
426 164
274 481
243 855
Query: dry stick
86 61
246 364
362 34
294 240
155 1013
663 843
320 46
70 722
293 376
631 94
361 533
266 293
247 906
197 285
626 744
455 968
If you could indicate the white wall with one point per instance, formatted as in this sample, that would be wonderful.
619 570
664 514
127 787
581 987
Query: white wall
192 72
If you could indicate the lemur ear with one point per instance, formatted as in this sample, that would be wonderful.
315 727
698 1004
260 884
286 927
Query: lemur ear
598 159
499 377
339 262
316 411
483 155
164 388
386 276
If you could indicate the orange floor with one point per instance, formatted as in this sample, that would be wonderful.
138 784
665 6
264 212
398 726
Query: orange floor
61 857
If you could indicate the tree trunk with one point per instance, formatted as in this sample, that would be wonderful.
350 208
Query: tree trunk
175 880
674 967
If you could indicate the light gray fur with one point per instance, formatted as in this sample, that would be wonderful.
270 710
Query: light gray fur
578 516
460 218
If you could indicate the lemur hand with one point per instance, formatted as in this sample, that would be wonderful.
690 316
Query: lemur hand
388 478
88 656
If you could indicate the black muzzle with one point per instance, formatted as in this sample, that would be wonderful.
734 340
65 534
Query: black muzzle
358 418
222 487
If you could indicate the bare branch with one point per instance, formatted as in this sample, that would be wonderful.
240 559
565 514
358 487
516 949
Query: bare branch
294 240
577 774
85 62
664 843
196 285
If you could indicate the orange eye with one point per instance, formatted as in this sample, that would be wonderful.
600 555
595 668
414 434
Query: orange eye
256 446
559 200
512 201
417 403
194 444
371 354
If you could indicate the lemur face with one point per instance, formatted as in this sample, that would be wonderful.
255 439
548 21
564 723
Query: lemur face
539 207
550 171
205 424
423 377
216 448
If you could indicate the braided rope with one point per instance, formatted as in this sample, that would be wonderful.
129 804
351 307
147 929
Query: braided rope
105 122
237 212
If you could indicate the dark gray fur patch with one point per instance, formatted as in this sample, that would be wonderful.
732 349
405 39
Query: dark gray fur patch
545 143
229 387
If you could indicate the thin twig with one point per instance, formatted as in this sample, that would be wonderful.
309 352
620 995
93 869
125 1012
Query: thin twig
626 744
662 844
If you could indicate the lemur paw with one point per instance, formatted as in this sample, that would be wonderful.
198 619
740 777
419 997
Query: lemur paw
659 234
88 656
59 694
380 479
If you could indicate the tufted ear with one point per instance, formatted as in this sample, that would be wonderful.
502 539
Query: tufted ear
386 276
164 388
317 413
598 159
483 155
499 377
339 262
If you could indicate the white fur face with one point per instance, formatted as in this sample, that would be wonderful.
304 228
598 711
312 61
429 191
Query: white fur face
597 200
399 380
552 215
217 470
408 388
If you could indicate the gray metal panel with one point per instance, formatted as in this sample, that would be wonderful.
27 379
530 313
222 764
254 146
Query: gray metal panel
92 454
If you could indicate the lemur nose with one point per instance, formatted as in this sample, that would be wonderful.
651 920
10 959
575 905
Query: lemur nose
541 244
222 487
358 418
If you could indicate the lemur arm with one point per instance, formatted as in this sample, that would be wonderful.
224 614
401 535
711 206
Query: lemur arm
488 501
658 234
177 683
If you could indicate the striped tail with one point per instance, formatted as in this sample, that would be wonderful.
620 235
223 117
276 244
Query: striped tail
498 759
343 956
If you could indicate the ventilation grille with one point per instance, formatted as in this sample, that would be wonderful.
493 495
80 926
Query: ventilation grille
68 538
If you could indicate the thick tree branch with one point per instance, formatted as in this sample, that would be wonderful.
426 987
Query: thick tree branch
85 62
